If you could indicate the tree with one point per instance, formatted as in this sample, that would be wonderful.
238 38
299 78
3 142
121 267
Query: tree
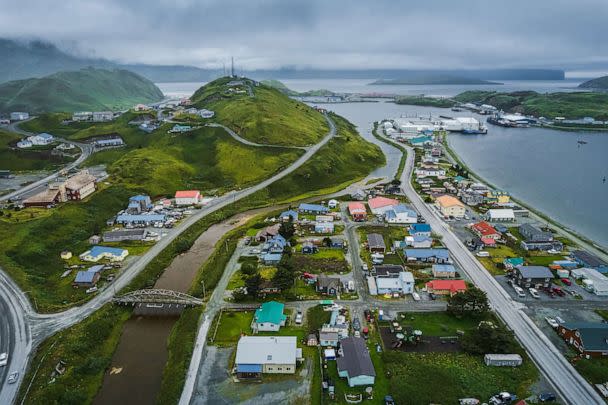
285 275
488 338
396 182
287 229
249 269
252 283
473 301
327 241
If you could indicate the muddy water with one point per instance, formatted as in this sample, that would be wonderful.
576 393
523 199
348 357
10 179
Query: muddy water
137 366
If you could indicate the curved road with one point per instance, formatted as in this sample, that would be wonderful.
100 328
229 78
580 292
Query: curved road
246 142
20 312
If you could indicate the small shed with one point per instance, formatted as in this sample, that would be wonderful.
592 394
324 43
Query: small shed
312 340
503 360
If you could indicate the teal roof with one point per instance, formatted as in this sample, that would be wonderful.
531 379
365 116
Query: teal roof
270 312
421 139
515 261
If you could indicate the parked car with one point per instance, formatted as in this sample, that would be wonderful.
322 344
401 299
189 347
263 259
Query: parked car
416 296
299 318
558 291
520 291
356 324
12 378
388 400
534 292
482 253
547 397
566 281
502 398
3 359
91 290
560 320
552 322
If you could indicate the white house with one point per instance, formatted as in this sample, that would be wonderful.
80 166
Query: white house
402 284
101 116
500 215
41 139
98 253
379 205
401 214
257 355
19 116
24 143
188 197
269 317
82 116
429 172
206 113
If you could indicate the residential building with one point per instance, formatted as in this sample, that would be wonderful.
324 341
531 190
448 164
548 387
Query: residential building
355 363
328 285
124 234
86 279
387 270
257 355
333 203
450 206
357 211
19 116
313 209
180 128
312 340
269 287
444 271
503 360
82 116
379 205
485 230
401 214
146 219
324 227
429 172
98 253
532 276
595 281
309 248
511 262
375 243
271 259
498 197
417 242
188 197
500 215
24 144
427 255
403 283
420 230
80 185
587 259
289 215
330 339
535 239
206 113
41 139
267 233
46 198
337 243
446 287
589 339
102 116
471 198
139 204
109 142
269 317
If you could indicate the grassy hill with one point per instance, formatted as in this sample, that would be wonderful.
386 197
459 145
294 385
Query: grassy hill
269 117
570 105
18 160
284 89
87 89
600 83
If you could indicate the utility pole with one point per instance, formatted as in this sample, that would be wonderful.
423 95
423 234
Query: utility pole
232 67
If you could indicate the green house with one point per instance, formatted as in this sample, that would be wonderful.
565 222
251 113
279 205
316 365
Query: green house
269 317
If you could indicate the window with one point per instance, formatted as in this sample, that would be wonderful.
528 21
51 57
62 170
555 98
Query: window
280 368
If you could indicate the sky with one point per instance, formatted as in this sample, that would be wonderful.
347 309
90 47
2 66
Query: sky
442 34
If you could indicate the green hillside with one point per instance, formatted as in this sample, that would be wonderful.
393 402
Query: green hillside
600 83
38 158
571 105
267 116
83 90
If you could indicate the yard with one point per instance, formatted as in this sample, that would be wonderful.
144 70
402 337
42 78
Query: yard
497 255
231 325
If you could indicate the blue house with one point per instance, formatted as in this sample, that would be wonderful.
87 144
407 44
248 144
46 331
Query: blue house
285 215
309 248
589 260
275 245
142 201
420 230
356 364
104 252
427 255
444 271
271 259
313 209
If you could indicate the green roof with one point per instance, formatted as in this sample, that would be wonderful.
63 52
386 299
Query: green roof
593 335
270 312
515 261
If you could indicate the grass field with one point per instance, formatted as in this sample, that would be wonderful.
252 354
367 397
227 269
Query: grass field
23 160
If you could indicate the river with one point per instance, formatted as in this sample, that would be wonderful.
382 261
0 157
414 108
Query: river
544 168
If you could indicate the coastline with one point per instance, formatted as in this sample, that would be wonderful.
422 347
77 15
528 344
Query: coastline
561 229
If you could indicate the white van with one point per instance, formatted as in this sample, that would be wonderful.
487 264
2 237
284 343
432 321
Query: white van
482 253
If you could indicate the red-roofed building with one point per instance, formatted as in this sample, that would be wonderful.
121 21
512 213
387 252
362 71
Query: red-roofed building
485 230
357 211
446 287
488 242
188 197
379 205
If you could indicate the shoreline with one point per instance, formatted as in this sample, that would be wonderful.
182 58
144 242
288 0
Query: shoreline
561 229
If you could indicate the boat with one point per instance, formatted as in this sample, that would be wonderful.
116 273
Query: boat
582 142
482 130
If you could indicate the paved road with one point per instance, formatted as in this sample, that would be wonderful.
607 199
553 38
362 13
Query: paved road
552 364
246 142
45 325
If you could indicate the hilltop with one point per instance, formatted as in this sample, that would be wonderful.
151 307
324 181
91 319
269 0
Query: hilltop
261 113
85 89
284 89
600 83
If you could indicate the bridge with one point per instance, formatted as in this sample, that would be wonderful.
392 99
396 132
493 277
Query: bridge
157 296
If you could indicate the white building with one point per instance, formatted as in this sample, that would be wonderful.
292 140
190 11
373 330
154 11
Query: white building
206 113
82 116
19 116
41 139
500 215
188 197
256 355
24 144
102 116
429 172
401 214
403 284
595 279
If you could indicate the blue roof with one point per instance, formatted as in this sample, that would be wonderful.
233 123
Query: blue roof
333 318
426 253
289 213
44 135
95 269
139 197
272 257
248 368
420 228
140 218
313 207
421 238
444 268
84 277
98 250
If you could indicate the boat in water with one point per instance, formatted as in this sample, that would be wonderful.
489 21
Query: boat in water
482 130
582 142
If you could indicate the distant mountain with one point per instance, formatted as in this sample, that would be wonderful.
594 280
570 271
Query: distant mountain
433 79
86 89
601 83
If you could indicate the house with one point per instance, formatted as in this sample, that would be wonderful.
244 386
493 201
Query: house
535 239
80 186
313 209
276 244
355 363
450 206
312 340
289 215
269 317
357 211
446 287
94 239
82 116
328 339
141 107
324 227
46 198
500 215
188 197
485 230
271 259
268 287
19 116
375 243
267 233
589 339
24 144
428 171
401 214
332 204
328 285
180 128
471 198
503 360
206 113
329 354
337 243
86 279
98 253
402 284
101 116
511 262
125 234
418 242
257 355
498 197
109 142
532 276
358 195
146 219
139 203
427 255
379 205
595 281
41 139
444 271
309 248
587 259
420 230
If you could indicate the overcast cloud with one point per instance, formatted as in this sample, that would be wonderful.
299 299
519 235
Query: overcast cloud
321 33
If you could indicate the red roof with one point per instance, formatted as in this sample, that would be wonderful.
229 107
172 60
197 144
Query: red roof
379 202
484 229
356 208
187 194
488 241
447 285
